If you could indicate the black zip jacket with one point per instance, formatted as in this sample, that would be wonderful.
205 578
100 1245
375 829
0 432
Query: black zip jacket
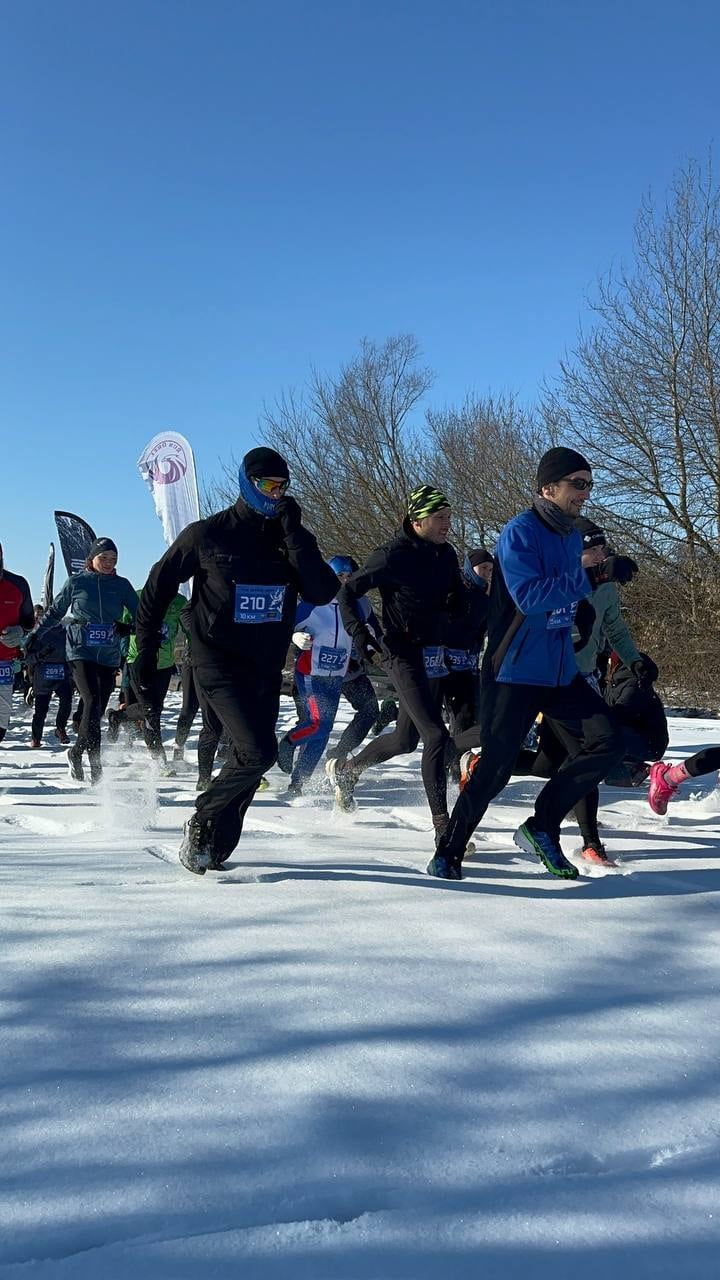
234 549
420 587
466 629
638 708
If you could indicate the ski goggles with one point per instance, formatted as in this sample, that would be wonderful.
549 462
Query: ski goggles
269 487
578 483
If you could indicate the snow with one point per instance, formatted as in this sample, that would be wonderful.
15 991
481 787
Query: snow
320 1064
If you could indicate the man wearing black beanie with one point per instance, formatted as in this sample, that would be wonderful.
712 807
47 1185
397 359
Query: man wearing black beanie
529 667
248 563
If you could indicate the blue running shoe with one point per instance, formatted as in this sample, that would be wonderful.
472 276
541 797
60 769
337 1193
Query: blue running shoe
531 840
444 868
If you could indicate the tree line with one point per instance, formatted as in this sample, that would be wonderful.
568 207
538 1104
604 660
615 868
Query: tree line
639 395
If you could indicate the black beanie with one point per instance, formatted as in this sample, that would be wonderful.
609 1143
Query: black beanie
591 533
99 546
558 463
480 556
265 462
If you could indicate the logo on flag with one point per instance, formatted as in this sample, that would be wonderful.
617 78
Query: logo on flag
166 461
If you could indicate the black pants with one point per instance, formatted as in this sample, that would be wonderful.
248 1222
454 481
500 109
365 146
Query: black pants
148 709
245 703
94 683
420 716
190 706
581 721
361 696
64 691
706 761
211 730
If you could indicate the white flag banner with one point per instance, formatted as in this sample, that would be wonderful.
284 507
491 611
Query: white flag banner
167 466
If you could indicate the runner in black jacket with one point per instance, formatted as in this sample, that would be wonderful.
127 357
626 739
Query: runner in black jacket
248 564
418 577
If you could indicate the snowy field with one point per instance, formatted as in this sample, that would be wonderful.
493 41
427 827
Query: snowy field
320 1064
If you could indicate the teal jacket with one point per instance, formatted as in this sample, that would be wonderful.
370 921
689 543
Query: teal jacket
86 601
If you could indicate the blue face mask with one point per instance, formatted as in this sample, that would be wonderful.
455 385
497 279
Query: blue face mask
341 564
256 500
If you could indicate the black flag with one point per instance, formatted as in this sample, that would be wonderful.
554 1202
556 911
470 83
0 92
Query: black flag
76 538
46 595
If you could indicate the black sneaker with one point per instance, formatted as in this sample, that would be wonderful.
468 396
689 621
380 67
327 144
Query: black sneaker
75 766
196 852
286 751
113 729
344 779
178 754
203 782
444 868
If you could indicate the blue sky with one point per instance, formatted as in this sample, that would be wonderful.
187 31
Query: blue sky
202 199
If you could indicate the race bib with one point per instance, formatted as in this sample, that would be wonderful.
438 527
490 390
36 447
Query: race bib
53 671
434 659
561 619
330 660
461 659
7 674
255 603
97 633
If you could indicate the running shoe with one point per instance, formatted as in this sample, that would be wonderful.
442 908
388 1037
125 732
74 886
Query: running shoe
594 852
344 780
196 852
62 737
469 761
444 868
75 767
530 839
660 790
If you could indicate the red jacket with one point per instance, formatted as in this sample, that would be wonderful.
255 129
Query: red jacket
16 606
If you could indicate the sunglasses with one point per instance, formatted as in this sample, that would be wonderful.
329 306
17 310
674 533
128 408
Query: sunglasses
578 483
268 487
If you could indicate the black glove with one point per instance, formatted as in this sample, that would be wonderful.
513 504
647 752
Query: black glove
144 670
617 569
289 514
371 653
584 623
644 671
123 628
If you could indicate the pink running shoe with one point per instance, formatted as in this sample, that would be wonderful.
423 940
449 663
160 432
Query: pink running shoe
661 790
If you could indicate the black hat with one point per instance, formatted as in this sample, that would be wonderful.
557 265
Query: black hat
591 533
265 462
480 556
99 546
557 463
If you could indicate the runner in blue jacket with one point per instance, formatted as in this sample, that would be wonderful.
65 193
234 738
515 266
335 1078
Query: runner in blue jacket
529 667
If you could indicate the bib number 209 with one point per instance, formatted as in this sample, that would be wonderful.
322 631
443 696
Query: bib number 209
255 603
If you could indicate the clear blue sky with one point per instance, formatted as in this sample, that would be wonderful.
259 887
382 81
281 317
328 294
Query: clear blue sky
202 198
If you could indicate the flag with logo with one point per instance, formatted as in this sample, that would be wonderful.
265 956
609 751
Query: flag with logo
167 466
76 538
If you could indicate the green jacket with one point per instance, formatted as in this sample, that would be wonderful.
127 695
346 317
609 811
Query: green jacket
171 622
609 624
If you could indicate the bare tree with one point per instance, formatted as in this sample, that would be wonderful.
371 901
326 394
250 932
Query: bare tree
640 395
486 457
350 444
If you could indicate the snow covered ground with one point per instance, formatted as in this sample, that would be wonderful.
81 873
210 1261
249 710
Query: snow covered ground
322 1065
